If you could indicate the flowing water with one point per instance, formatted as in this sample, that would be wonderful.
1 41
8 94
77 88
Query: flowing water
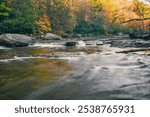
53 71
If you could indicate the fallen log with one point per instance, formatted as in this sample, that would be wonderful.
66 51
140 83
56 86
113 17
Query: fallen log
135 50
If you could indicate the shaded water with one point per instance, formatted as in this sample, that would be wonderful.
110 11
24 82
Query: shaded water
47 71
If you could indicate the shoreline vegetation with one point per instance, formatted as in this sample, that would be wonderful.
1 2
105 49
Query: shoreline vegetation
33 21
75 18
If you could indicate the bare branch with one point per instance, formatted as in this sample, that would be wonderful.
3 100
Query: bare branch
136 19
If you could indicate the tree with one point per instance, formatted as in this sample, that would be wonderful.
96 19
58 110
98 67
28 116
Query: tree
141 10
44 25
21 18
4 10
89 18
60 15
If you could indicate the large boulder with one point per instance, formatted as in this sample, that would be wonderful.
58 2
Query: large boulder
15 40
50 36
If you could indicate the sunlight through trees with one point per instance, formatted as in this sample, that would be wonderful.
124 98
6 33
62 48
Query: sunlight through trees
72 16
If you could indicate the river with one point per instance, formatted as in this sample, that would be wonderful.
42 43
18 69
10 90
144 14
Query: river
52 71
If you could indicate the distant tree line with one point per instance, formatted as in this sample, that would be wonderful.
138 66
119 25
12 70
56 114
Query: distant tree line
86 17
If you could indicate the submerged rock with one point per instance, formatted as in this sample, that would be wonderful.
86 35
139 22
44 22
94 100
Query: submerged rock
15 40
75 43
50 36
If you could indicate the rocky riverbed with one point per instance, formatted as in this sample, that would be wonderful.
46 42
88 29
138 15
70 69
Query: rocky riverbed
53 71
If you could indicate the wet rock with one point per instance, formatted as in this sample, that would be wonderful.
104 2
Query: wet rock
76 35
50 36
79 35
99 43
71 43
65 35
75 43
15 40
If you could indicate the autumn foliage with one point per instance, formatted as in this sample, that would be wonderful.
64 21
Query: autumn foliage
87 17
43 24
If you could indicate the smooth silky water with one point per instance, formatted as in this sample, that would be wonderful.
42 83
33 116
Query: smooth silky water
47 71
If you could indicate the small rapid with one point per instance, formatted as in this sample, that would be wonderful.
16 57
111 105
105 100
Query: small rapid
48 45
53 71
2 48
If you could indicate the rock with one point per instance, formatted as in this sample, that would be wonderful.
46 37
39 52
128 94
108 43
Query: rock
79 35
71 43
75 35
50 36
75 43
120 34
138 35
15 40
65 35
99 43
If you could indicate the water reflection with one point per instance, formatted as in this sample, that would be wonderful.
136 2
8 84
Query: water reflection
19 78
73 73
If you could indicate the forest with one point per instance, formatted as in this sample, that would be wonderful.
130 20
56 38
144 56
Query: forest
64 17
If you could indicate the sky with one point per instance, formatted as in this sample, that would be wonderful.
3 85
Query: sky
144 1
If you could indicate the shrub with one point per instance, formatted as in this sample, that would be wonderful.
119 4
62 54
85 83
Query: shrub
17 26
94 27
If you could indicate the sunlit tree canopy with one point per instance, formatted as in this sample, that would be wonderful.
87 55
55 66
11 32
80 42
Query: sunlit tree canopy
73 16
